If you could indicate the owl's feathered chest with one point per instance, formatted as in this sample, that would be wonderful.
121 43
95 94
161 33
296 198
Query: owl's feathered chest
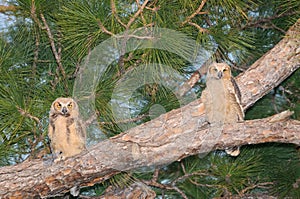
221 101
219 91
61 123
66 135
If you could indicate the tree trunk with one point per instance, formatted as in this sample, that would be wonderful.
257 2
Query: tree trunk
168 138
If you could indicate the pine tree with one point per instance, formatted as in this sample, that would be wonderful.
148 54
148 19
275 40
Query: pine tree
46 44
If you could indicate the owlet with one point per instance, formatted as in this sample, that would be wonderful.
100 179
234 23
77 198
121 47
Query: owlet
66 131
222 99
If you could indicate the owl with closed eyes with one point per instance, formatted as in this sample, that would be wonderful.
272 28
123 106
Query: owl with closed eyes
222 99
66 130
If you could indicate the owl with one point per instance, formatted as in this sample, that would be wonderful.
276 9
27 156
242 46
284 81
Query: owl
222 99
66 130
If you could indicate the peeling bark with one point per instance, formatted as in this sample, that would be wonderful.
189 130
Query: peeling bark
168 138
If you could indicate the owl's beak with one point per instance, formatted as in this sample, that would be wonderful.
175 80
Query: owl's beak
64 110
220 74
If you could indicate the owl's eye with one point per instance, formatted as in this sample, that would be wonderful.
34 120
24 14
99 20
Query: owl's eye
58 105
215 69
70 105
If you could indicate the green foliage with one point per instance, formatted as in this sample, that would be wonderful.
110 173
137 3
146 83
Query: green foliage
232 31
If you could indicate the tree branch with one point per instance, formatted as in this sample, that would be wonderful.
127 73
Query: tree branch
115 13
196 12
26 114
52 44
8 8
146 145
140 10
198 27
272 68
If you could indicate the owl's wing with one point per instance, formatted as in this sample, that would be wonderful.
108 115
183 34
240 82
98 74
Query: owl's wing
204 96
235 94
81 130
50 129
236 89
50 135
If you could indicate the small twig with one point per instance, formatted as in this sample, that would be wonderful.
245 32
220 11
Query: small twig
127 120
164 187
239 68
53 48
155 175
133 18
259 22
277 28
44 61
103 28
59 49
8 8
36 54
114 12
126 37
198 27
135 36
26 114
75 73
195 13
188 175
180 192
259 185
142 16
130 56
38 138
194 174
154 9
182 167
33 15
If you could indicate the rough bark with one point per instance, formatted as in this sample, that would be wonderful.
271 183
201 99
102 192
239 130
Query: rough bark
137 190
272 68
168 138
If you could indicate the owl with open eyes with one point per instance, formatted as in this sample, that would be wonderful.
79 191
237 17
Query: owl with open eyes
66 130
222 99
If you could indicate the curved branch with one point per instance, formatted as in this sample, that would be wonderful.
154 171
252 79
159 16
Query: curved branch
272 68
168 138
139 148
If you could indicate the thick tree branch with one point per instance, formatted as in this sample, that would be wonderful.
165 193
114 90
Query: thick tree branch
143 146
272 68
168 138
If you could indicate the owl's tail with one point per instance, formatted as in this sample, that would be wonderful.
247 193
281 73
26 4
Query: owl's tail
233 151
